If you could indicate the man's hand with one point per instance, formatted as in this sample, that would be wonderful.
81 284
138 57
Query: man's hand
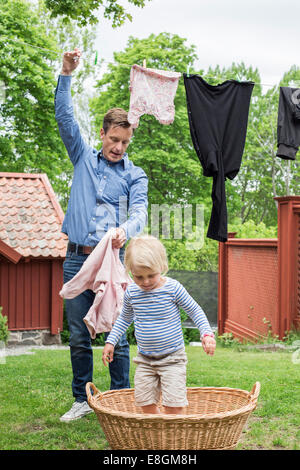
108 353
70 61
120 238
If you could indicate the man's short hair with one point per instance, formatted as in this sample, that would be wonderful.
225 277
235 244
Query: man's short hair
115 117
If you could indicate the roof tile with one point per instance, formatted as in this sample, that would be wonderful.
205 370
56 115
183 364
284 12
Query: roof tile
29 220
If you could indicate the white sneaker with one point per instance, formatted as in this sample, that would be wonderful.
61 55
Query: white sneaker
78 410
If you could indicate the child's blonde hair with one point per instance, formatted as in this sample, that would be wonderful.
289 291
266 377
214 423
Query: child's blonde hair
146 251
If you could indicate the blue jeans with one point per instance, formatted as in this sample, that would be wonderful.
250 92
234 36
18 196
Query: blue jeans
80 340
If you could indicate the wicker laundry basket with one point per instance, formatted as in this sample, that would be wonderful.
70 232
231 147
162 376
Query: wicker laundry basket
214 419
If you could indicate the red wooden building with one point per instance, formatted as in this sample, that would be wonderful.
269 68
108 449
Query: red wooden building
259 279
32 251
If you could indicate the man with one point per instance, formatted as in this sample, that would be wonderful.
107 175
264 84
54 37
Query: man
105 186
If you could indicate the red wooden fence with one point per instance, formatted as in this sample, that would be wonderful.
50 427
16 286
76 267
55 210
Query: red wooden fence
259 279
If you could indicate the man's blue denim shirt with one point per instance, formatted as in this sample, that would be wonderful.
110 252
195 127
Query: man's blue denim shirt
103 194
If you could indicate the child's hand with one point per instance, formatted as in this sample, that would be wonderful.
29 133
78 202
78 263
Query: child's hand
108 353
209 345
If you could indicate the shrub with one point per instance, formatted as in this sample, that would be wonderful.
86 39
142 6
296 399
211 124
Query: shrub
227 340
4 333
251 229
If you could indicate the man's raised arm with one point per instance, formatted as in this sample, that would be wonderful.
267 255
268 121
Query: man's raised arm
64 115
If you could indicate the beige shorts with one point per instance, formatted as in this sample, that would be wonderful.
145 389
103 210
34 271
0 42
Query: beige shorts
165 376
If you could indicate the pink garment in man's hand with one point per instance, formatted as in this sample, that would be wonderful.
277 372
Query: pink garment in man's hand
104 274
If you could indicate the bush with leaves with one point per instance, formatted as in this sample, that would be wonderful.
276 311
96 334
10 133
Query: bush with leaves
4 333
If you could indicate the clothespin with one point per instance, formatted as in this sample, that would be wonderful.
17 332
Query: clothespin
96 58
188 71
144 63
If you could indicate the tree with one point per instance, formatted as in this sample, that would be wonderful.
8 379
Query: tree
33 45
263 175
85 10
165 152
29 138
68 36
167 155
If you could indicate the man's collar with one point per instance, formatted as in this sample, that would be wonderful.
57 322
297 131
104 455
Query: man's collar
124 159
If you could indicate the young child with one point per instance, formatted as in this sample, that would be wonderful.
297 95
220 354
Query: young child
153 302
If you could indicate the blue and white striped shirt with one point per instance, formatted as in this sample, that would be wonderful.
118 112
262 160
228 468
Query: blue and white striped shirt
156 316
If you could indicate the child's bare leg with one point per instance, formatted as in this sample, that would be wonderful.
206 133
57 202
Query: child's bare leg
152 409
176 410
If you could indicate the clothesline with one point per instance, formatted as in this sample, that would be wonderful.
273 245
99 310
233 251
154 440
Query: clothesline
59 53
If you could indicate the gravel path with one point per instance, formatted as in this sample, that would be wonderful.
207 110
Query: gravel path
30 349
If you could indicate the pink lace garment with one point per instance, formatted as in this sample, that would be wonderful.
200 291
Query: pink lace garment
152 92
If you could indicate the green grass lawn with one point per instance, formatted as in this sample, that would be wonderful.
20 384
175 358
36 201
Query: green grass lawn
36 391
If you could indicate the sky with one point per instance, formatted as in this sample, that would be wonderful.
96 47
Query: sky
264 34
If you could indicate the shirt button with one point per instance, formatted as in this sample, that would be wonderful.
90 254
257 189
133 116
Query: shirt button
94 218
104 177
90 234
98 204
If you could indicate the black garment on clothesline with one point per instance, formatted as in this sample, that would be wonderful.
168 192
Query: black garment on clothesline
218 117
288 124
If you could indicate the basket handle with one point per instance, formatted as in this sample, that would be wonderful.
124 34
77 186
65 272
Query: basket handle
255 392
88 387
